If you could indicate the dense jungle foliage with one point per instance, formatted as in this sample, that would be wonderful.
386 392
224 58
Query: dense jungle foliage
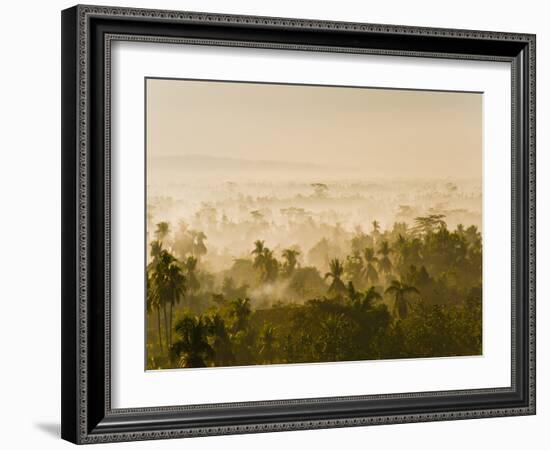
405 292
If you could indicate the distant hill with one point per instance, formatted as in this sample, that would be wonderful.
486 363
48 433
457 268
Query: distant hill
162 169
195 162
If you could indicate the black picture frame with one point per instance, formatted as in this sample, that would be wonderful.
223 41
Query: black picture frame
87 416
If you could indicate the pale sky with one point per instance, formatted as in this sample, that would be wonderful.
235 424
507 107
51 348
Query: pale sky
386 133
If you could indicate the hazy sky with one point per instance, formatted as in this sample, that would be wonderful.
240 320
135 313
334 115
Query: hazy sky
386 133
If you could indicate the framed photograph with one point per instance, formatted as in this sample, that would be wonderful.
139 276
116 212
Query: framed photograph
277 224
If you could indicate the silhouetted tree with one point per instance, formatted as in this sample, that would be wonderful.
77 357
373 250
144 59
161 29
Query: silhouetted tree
221 342
370 273
170 286
190 268
400 292
153 304
384 262
198 246
191 348
291 261
336 271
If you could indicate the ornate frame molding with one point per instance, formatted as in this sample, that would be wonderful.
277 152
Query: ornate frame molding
80 424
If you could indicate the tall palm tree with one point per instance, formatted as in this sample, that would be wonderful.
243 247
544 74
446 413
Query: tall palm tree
400 291
370 271
170 285
153 303
158 269
401 248
176 288
190 267
336 270
291 260
191 348
384 262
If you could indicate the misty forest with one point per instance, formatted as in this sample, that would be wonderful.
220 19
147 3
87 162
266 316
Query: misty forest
300 271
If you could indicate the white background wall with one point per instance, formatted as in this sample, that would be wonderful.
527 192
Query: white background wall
30 222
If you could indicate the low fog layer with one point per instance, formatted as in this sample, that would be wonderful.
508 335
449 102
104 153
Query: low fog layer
236 202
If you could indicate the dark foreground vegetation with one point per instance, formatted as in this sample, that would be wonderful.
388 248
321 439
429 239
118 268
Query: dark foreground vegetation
408 292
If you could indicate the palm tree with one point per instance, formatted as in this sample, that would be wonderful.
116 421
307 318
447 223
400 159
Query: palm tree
384 262
156 248
176 288
192 348
170 285
240 312
401 291
198 248
375 231
265 262
291 260
258 253
190 267
402 249
221 343
370 271
158 269
163 228
408 252
153 303
362 302
270 266
336 271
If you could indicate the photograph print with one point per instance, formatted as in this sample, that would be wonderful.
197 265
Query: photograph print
292 223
